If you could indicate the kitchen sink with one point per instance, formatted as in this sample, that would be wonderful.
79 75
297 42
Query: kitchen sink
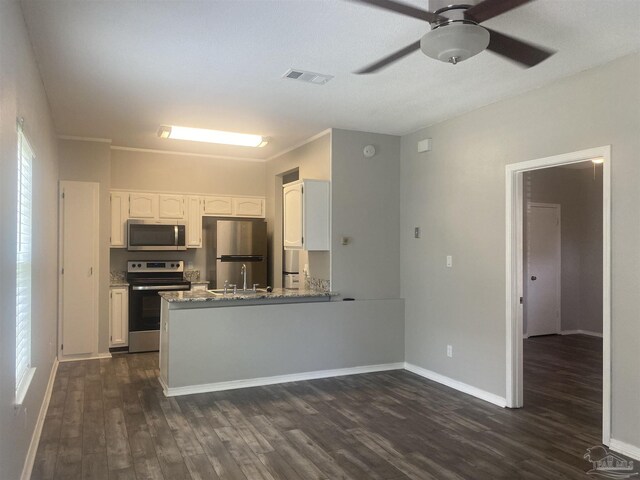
220 292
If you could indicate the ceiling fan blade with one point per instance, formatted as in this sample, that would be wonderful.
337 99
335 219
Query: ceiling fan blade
491 8
403 9
519 51
388 60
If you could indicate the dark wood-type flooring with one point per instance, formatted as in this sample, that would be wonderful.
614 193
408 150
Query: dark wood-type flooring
108 419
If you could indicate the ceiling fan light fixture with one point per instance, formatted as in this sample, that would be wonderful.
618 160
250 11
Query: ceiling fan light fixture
455 42
212 136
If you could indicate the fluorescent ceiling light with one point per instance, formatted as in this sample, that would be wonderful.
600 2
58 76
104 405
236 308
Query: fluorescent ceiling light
212 136
598 161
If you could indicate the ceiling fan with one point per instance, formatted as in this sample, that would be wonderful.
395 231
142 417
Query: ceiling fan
456 35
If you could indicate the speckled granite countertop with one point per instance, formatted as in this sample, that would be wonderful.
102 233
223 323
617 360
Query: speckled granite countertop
122 283
277 294
199 282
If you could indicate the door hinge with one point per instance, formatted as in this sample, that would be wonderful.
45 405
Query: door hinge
62 194
62 271
303 240
301 189
521 300
62 346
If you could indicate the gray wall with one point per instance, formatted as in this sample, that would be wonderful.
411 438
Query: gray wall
164 172
313 160
365 198
457 194
22 95
219 344
579 194
90 162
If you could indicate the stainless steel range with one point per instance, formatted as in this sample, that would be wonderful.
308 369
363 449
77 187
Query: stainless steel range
146 279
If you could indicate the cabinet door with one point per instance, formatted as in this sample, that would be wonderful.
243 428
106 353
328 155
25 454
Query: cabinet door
217 205
119 317
171 207
292 206
143 205
194 222
119 214
248 207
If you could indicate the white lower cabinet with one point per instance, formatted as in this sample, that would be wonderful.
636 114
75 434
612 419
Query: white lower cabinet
118 317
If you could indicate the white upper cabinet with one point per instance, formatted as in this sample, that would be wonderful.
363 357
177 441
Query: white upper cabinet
194 221
143 205
119 215
171 207
306 209
167 207
217 206
292 206
248 207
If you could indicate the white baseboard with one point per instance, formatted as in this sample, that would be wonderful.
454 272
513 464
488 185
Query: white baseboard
85 357
455 384
581 332
293 377
37 431
625 448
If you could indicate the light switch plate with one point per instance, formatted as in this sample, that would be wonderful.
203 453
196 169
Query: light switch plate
449 261
416 232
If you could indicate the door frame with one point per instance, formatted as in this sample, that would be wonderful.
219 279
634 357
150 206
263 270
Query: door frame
96 276
514 273
558 208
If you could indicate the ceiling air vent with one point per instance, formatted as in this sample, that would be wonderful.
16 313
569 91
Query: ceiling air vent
309 77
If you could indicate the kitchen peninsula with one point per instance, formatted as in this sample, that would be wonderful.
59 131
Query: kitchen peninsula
211 342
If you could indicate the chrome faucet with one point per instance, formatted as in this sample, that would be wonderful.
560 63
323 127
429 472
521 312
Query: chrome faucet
244 277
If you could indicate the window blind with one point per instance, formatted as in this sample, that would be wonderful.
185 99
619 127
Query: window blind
23 263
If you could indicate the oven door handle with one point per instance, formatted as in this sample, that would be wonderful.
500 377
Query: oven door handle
160 287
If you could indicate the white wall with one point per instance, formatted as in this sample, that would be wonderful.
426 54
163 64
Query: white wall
365 197
84 161
457 194
22 95
168 172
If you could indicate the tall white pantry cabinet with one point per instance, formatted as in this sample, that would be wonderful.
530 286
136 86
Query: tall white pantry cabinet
306 212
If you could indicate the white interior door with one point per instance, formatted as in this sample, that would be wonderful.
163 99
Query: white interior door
542 280
79 257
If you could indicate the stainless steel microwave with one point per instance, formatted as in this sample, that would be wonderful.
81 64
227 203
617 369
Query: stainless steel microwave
153 236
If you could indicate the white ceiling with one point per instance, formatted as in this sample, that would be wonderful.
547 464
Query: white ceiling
119 69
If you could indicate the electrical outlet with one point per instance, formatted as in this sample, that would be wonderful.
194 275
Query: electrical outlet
449 351
449 261
416 232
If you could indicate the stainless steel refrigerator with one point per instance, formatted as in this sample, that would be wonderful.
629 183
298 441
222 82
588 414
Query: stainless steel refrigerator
231 244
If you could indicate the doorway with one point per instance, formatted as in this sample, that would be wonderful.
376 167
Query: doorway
515 270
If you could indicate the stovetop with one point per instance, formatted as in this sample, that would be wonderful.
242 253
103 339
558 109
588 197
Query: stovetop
161 272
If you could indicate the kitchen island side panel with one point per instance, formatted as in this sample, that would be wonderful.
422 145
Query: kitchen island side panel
212 345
